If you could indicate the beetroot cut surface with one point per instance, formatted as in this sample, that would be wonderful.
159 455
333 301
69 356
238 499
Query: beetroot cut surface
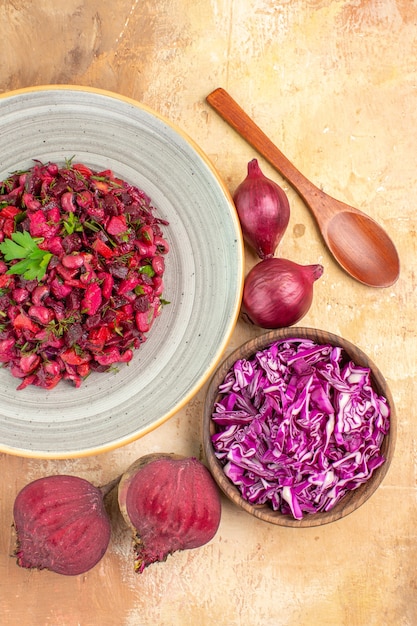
172 503
61 525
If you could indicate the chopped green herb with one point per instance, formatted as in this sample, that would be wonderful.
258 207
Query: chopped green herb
59 327
68 162
72 224
147 269
94 226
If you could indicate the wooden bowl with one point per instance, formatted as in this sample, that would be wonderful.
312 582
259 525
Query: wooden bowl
352 500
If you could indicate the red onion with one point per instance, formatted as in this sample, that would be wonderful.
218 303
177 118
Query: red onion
278 292
263 211
171 503
61 525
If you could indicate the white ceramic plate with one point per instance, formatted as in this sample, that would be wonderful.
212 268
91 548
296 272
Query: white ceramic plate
203 278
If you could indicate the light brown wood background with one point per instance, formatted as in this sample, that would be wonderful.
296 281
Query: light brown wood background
334 84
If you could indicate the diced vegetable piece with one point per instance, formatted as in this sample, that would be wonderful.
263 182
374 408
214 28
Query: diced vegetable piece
81 266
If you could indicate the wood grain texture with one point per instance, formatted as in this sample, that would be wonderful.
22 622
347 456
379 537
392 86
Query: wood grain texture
334 82
356 241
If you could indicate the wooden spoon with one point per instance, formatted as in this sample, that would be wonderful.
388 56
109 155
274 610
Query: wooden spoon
357 242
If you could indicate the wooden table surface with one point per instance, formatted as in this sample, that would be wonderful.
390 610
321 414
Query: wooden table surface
334 83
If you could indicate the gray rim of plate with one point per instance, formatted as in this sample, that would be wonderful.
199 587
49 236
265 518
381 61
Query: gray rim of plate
203 277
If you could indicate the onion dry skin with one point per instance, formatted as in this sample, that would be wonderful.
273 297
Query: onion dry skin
278 292
263 209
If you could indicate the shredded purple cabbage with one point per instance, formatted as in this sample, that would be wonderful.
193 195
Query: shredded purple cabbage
298 425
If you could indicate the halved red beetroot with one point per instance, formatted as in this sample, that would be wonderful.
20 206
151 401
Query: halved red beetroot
61 525
171 503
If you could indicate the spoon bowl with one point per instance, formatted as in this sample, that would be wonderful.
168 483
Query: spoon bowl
362 248
357 242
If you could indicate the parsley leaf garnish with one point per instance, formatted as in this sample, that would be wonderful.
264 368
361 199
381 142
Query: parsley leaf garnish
34 261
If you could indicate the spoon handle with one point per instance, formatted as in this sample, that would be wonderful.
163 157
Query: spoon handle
236 117
356 241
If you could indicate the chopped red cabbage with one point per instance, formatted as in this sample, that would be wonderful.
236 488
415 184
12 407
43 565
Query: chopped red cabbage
298 425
